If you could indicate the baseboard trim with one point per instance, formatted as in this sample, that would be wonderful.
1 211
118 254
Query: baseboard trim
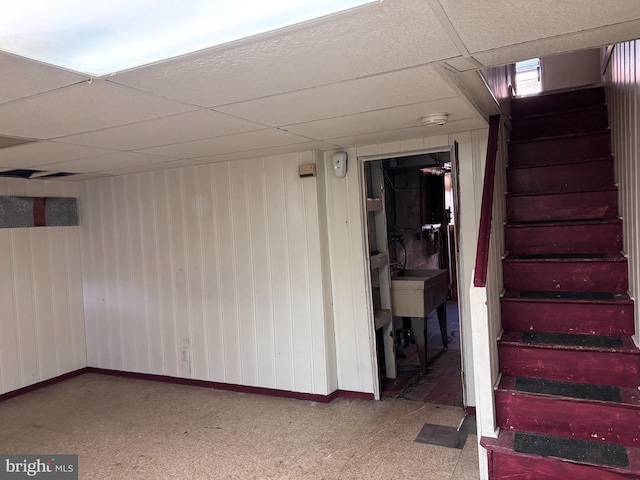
45 383
271 392
355 395
470 410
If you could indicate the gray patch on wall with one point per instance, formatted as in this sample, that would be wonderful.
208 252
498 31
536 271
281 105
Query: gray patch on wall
21 212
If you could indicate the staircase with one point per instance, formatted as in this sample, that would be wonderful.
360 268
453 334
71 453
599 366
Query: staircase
568 403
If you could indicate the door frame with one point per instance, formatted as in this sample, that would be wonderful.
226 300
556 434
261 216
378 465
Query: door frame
453 155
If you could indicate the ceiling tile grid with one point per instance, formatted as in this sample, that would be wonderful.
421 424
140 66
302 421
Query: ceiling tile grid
362 77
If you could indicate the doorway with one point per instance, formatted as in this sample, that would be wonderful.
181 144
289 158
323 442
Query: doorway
418 201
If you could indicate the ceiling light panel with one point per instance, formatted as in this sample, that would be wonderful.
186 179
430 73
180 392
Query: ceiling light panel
106 36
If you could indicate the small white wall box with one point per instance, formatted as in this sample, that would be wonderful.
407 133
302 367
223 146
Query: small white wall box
340 164
307 170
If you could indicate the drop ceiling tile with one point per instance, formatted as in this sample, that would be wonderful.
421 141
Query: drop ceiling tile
381 120
566 43
105 163
463 64
153 167
403 87
488 25
45 152
408 133
21 78
183 127
265 152
81 108
81 176
380 37
268 137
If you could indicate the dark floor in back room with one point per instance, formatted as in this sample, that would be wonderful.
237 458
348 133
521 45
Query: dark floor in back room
442 384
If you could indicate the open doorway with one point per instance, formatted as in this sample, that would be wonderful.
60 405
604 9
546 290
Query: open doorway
417 194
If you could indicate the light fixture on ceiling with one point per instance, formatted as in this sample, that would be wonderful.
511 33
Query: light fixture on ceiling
435 119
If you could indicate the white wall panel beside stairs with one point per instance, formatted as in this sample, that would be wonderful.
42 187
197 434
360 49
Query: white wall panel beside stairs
623 98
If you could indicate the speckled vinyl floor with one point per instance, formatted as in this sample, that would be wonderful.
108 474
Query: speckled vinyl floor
136 429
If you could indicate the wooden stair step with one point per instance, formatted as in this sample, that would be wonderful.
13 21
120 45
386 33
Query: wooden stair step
561 178
604 413
568 312
583 360
586 236
551 102
559 459
560 149
568 273
560 123
585 205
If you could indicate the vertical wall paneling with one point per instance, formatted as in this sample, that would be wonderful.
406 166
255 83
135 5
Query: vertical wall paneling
10 354
262 271
355 357
279 260
244 327
212 303
137 261
228 279
212 272
623 98
42 320
330 360
166 266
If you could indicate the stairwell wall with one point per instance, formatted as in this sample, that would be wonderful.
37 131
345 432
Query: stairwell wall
622 79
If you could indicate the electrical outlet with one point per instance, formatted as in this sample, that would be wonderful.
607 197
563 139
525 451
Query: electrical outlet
185 354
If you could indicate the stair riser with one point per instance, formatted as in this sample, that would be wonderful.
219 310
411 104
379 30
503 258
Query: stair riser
564 239
566 206
561 178
565 276
544 104
608 422
582 366
563 123
532 467
576 318
560 150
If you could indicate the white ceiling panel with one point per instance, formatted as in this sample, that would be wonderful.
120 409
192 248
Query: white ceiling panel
493 24
81 176
108 162
566 43
265 152
21 78
43 153
381 120
228 144
81 108
408 133
403 87
357 78
183 127
385 36
152 167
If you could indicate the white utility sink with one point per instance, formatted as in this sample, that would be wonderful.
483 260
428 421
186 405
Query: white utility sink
416 293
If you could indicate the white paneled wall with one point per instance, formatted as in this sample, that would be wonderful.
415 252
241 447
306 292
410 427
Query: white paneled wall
623 98
212 272
351 296
356 361
42 324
